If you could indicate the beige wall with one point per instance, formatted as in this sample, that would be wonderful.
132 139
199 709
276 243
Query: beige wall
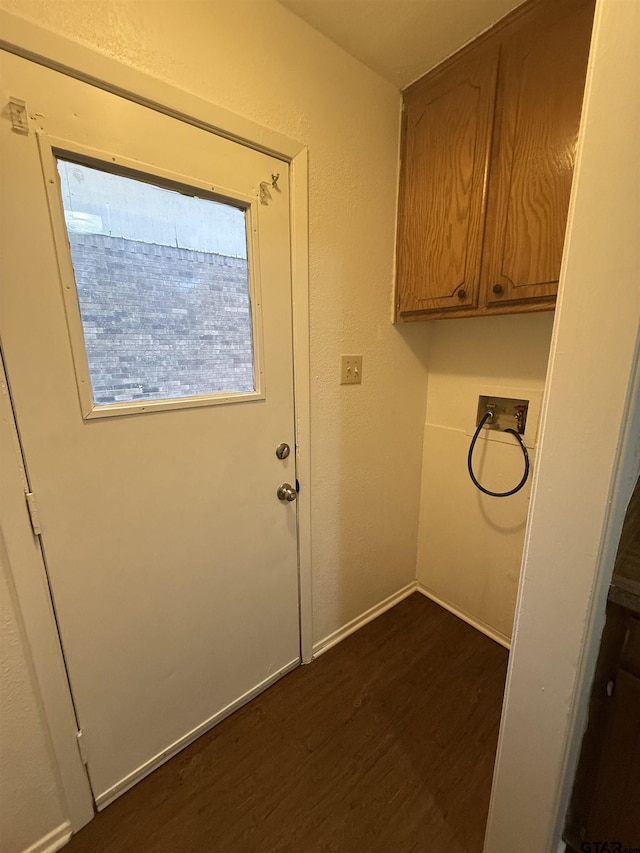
30 804
259 60
470 544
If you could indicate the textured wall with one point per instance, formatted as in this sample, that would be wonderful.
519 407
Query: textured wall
470 545
161 321
30 803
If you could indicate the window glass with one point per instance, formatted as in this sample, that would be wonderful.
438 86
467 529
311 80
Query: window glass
163 287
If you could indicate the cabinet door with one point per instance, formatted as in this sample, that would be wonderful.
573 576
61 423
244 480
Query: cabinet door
615 810
446 148
537 119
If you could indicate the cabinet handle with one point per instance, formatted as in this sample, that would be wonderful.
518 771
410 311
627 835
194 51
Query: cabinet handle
498 288
462 293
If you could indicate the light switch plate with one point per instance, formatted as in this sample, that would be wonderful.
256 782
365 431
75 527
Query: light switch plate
350 369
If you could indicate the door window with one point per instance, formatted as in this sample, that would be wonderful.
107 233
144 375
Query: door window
163 289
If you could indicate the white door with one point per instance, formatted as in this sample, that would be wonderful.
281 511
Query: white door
151 391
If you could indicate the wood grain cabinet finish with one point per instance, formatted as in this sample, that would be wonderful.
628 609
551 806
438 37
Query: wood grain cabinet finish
544 65
441 216
488 154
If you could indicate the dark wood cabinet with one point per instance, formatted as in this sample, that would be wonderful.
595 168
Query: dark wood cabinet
605 804
489 147
616 803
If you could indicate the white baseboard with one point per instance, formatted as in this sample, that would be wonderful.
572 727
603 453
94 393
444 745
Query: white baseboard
334 638
342 633
498 636
104 799
52 841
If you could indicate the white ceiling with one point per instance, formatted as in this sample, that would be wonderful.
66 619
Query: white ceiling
400 39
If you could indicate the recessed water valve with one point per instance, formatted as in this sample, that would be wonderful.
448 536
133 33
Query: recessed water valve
505 413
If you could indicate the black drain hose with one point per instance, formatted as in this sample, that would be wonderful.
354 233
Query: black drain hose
525 476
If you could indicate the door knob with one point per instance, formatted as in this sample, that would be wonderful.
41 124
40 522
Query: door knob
286 492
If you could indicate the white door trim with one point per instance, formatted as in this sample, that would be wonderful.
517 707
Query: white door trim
34 43
28 573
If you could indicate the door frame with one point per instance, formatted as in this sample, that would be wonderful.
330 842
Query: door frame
32 42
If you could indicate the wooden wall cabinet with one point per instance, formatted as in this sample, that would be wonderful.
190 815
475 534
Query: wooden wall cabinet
488 151
446 156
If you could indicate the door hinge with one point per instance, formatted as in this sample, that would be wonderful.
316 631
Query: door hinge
82 747
19 116
33 513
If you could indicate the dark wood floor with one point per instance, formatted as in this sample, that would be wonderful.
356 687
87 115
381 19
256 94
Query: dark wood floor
385 744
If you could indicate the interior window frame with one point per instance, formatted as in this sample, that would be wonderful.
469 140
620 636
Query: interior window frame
51 149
